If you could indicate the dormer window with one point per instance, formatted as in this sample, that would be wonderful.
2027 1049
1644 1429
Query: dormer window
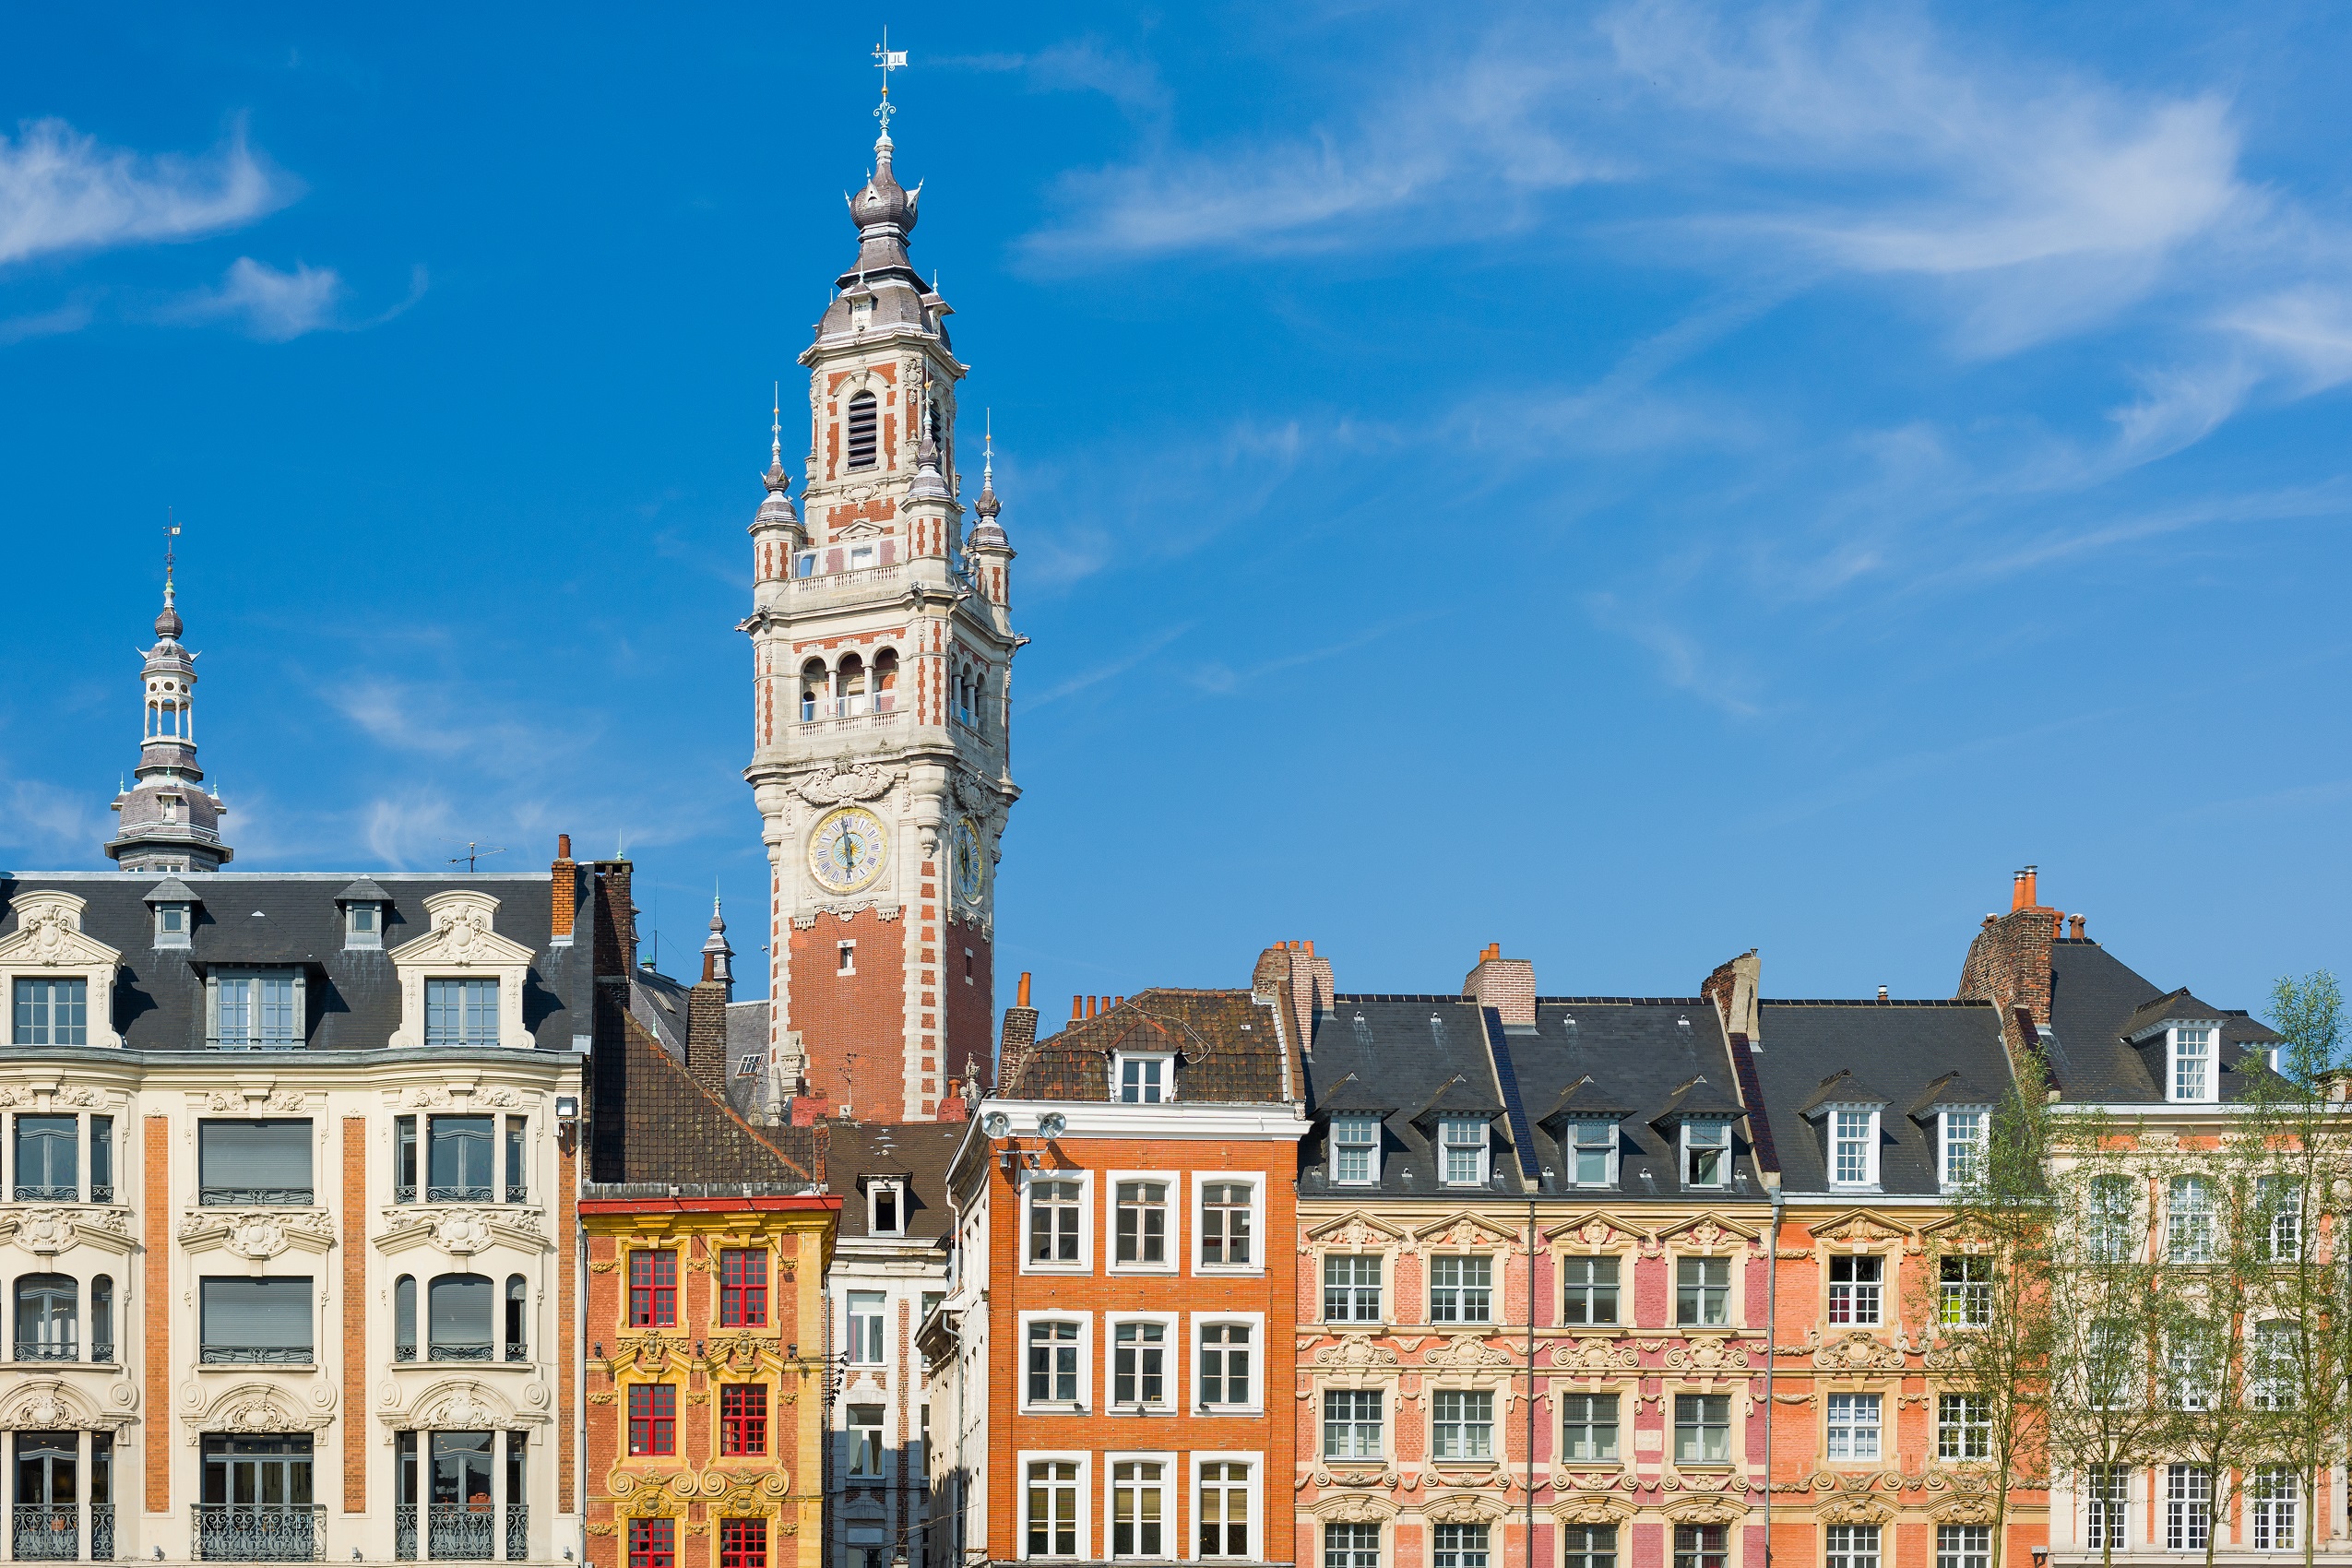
1144 1080
886 1209
255 1009
2192 1063
363 925
1355 1150
1592 1150
1962 1137
171 924
1706 1154
1853 1148
1462 1151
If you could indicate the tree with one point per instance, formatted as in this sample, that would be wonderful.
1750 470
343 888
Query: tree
1990 1275
2300 1345
2107 1322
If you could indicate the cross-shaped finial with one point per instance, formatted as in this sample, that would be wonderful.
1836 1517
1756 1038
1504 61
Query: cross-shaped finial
886 60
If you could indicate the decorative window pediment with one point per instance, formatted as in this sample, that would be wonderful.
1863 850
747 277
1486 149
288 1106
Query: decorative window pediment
49 946
1707 1232
1465 1230
462 945
1356 1228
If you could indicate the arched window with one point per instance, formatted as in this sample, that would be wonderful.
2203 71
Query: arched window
811 688
45 1314
864 427
404 1318
517 1306
979 719
852 685
457 1317
101 1319
885 680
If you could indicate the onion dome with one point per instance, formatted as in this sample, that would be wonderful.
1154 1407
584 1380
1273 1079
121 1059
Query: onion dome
884 201
168 624
988 532
776 512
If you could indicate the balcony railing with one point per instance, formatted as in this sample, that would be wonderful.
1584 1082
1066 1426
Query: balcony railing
463 1532
254 1042
518 1351
102 1353
518 1194
48 1193
458 1195
293 1197
461 1352
282 1355
404 1195
855 577
51 1351
45 1532
834 724
101 1191
260 1532
101 1532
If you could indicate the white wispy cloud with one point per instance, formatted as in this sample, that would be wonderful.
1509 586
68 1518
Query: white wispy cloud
1103 672
1083 65
55 827
63 190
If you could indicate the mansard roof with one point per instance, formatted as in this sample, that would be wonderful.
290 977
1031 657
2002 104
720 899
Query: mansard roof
293 919
917 1153
2097 1002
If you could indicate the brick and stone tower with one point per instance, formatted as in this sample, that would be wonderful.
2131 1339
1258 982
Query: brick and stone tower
882 646
168 820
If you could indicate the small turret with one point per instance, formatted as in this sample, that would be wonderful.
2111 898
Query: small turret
169 821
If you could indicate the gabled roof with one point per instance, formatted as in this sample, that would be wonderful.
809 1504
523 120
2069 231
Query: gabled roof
172 890
1352 1096
1954 1088
363 891
2093 1001
1230 1047
2175 1008
1841 1087
1584 1101
1459 1096
1699 1099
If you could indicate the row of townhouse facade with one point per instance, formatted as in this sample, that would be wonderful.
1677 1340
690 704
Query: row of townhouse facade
1588 1282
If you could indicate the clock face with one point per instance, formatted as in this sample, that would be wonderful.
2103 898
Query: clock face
847 850
971 861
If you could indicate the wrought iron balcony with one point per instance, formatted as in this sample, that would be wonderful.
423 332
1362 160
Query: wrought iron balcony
102 1353
295 1197
259 1532
462 1532
283 1355
48 1193
101 1191
45 1532
54 1351
518 1351
459 1352
405 1195
254 1042
458 1195
101 1532
516 1194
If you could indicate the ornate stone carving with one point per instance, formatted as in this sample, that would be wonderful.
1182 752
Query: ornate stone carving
1466 1352
1853 1508
1707 1510
1463 1508
1854 1349
238 1100
49 1404
1595 1355
254 1407
859 782
1708 1355
1356 1350
1355 1508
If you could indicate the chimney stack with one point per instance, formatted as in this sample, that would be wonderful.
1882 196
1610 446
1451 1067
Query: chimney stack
1507 985
1020 1033
563 891
2077 922
1882 993
707 1011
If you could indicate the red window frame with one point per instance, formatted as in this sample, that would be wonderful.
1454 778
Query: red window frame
742 1289
742 1418
653 1418
653 1543
653 1289
742 1543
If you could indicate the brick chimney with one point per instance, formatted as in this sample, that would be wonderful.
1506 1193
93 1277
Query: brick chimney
563 893
2008 964
616 929
707 1009
1020 1033
1733 988
1507 985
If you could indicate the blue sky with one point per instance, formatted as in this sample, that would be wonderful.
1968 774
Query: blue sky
1631 483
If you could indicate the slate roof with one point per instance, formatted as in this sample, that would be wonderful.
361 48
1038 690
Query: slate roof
918 1152
1230 1047
1811 1053
1626 1057
2094 999
671 1129
747 1036
292 919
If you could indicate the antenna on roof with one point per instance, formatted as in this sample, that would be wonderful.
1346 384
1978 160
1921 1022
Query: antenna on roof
474 852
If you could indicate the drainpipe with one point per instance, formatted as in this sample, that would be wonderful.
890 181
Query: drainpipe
1532 1378
1772 1349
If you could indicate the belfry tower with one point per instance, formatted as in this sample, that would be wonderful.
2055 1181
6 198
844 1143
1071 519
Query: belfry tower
881 646
169 821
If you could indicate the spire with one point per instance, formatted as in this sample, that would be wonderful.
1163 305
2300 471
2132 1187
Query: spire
988 533
885 210
717 957
776 510
168 820
930 484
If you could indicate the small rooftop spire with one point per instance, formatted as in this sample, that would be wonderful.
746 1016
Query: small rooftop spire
987 505
716 955
167 623
885 60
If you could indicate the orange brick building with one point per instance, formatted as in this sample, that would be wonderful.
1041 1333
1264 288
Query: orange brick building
1112 1370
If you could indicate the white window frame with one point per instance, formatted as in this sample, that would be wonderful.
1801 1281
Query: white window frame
1854 1290
849 1440
175 940
1388 1402
1255 1324
1202 1181
1172 1517
1323 1285
1084 1263
898 1190
1371 1157
1863 1399
2102 1512
353 937
2209 1058
1486 1150
1873 1133
1173 1262
1021 1462
2268 1507
1190 1546
2185 1507
254 974
1165 1062
1682 1153
1172 1363
1573 1148
1086 1403
1946 1144
849 1320
1496 1416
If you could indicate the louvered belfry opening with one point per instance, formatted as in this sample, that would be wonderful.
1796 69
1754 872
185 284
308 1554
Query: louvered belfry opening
864 428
